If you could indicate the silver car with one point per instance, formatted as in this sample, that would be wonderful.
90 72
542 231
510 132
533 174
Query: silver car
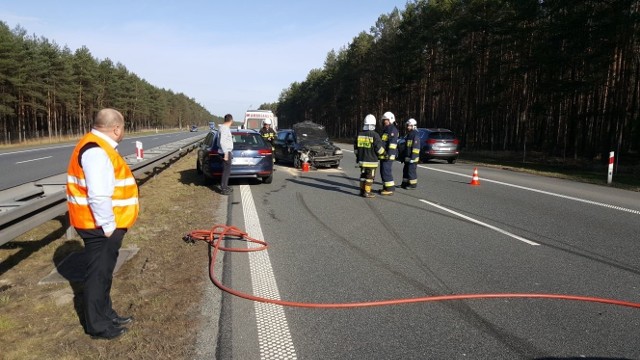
438 144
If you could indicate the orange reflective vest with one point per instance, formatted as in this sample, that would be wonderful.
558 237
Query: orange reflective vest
125 194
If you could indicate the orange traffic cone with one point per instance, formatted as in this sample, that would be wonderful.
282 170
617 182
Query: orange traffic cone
474 179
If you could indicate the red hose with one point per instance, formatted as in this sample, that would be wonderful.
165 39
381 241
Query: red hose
220 232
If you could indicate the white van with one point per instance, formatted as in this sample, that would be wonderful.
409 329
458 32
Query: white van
253 119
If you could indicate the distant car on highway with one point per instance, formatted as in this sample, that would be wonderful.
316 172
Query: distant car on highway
251 157
194 128
306 141
436 143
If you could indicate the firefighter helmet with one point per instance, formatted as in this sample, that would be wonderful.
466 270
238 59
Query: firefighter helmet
266 122
389 116
412 122
369 120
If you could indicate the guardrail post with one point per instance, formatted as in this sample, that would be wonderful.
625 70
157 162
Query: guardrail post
610 176
71 231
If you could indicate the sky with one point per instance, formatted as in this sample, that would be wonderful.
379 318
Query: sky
229 56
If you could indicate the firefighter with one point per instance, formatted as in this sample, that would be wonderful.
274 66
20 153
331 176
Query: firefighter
269 135
390 140
368 148
267 132
411 156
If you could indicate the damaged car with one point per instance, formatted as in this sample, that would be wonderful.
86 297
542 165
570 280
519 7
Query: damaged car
306 142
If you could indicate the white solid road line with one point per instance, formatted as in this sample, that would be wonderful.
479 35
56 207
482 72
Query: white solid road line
274 337
615 207
26 161
520 238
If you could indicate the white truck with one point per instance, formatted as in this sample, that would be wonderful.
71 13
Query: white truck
253 119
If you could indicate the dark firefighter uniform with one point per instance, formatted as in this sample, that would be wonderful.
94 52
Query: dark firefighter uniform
368 148
411 157
269 135
390 140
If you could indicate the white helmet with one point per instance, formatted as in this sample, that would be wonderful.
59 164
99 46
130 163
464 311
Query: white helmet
412 122
266 122
370 120
389 116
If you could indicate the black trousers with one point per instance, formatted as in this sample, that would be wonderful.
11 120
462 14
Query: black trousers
101 253
226 171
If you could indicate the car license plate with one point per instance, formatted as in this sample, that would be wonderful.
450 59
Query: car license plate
444 149
241 161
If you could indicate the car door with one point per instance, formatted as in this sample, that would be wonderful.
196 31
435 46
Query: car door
290 145
203 149
279 146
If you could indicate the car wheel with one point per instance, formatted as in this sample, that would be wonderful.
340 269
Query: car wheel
296 161
452 161
267 179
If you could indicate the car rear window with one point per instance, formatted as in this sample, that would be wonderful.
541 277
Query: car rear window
442 135
247 141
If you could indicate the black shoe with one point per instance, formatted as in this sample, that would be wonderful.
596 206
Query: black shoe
226 191
122 320
110 333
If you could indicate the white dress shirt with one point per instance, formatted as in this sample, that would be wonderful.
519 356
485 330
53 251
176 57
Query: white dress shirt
101 180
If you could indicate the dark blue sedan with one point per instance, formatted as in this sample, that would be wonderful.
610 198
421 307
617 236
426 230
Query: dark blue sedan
252 157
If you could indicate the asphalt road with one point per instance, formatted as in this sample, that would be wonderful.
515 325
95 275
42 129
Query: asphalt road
27 165
514 233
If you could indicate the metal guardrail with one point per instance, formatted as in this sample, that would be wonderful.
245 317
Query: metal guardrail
27 206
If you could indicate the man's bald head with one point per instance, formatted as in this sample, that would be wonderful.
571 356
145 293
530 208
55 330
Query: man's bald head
107 119
111 123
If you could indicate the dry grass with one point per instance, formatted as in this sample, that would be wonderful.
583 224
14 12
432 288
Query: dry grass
162 286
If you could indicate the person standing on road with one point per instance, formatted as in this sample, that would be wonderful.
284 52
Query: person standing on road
269 135
368 148
411 156
225 144
102 196
267 132
390 140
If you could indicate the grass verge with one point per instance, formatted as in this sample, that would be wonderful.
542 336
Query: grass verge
162 286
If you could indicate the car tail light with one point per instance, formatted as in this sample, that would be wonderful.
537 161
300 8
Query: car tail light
431 141
456 141
264 152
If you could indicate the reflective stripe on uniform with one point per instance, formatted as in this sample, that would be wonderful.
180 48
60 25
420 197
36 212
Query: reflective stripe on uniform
126 182
78 200
368 164
77 181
